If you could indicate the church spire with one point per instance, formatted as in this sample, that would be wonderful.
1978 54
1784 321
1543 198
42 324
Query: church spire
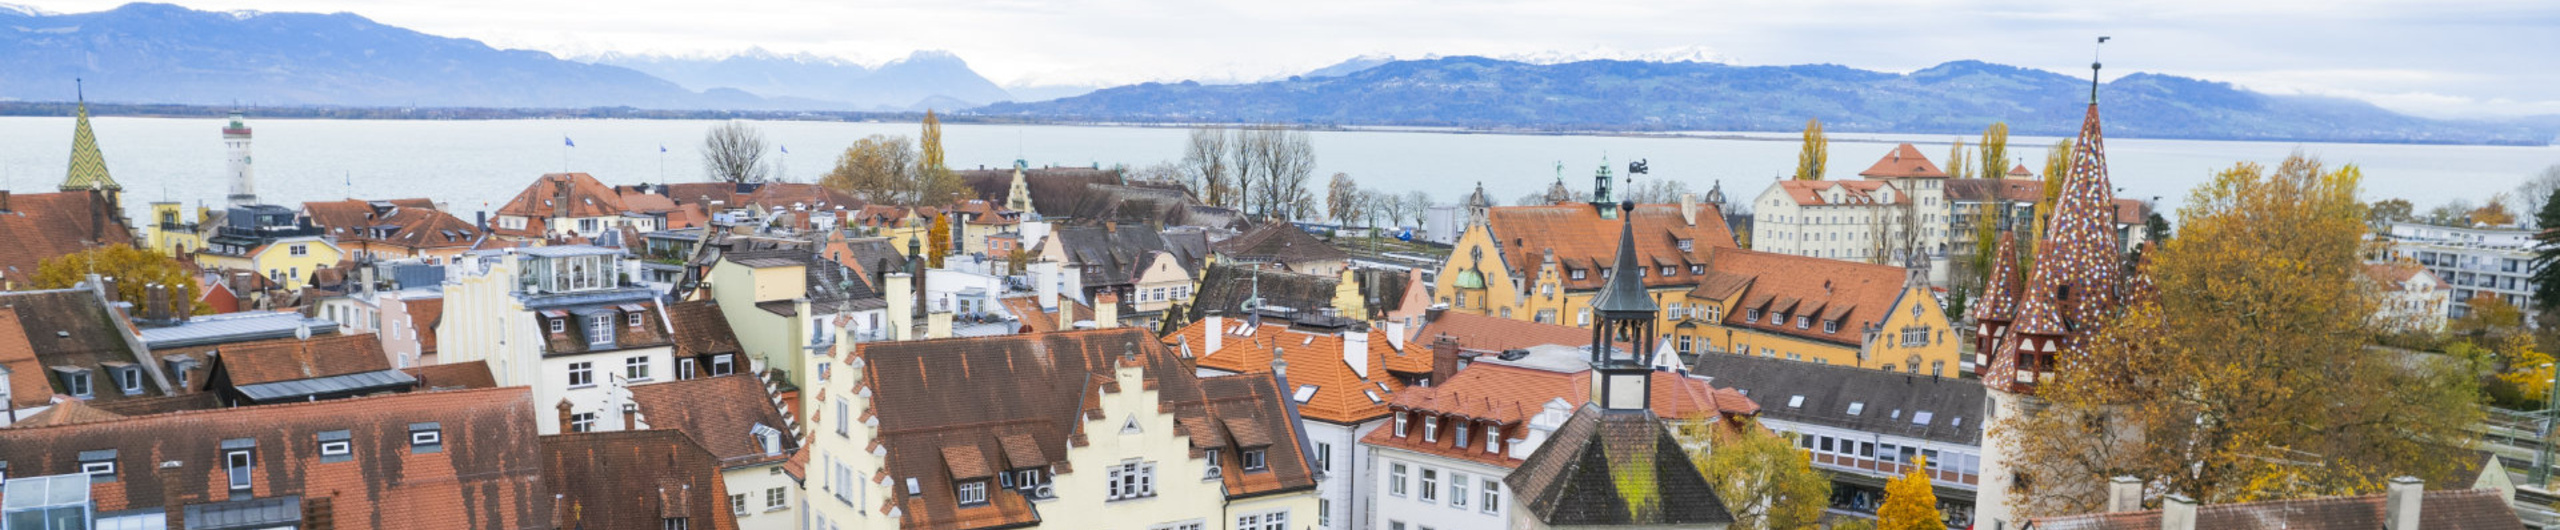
88 170
1626 316
2076 282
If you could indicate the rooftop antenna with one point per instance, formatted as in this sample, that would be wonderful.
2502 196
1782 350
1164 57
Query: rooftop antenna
2093 68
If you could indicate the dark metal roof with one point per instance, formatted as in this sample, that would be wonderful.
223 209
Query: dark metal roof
1625 291
1890 402
355 383
1615 468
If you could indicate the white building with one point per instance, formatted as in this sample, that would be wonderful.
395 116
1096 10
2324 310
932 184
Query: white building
1343 375
2471 261
1864 428
1856 219
559 319
2412 298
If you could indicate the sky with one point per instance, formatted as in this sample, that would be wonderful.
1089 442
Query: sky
2436 58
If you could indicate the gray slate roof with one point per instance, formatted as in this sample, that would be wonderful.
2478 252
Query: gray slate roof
1584 474
1890 401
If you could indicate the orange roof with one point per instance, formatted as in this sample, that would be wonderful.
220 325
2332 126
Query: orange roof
1856 294
1489 333
1904 161
38 226
2391 276
1852 192
425 315
290 359
26 374
587 198
1315 358
1511 395
1583 240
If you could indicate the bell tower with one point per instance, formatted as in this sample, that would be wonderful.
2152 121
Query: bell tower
235 140
1622 378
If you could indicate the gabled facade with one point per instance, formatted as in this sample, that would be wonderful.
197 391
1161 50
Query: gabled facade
1546 263
1066 429
1898 213
1341 383
567 205
740 423
2412 298
563 320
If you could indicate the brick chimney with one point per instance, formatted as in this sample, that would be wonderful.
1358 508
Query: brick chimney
4 200
630 416
565 411
560 197
1444 359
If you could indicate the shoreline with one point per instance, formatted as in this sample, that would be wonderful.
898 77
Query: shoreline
175 111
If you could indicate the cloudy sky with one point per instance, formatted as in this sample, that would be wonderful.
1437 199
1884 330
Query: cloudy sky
2444 58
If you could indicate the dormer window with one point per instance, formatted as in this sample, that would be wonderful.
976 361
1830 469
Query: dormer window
1462 435
635 320
600 330
1575 273
336 446
1430 428
75 380
1253 460
1493 438
1697 269
1670 270
239 456
1401 422
426 437
129 379
1804 321
767 438
973 492
1752 316
1830 326
559 325
99 465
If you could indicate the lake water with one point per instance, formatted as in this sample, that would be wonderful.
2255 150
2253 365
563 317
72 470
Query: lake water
475 165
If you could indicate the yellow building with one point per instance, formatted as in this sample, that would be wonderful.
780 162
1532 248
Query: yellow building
1544 263
172 236
1809 309
269 239
1104 428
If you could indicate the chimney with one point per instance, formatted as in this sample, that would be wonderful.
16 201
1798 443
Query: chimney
1044 280
4 200
2177 512
560 197
2124 494
483 223
1444 359
565 410
1355 351
1395 334
631 416
2400 511
1216 330
937 325
901 311
1106 310
1689 208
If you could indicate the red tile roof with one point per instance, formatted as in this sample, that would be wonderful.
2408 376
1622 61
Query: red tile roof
453 376
1853 192
40 226
1510 396
487 471
1484 333
26 374
1856 295
2387 276
290 359
587 198
720 413
1904 161
1583 240
634 479
1343 395
425 316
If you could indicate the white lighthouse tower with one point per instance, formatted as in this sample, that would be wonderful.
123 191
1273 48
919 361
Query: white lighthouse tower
244 183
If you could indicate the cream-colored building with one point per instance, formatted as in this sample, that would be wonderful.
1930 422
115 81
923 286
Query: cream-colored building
1101 428
783 304
561 320
1898 209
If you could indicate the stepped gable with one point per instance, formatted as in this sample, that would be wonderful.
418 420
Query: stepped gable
1019 401
1583 240
2075 283
41 226
1904 161
485 467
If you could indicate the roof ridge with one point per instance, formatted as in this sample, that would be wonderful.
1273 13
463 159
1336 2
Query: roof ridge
320 403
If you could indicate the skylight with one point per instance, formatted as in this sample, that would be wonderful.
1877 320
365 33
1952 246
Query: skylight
1796 402
1856 407
1305 392
1921 417
1373 396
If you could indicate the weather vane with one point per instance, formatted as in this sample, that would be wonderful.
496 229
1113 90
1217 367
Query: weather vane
2093 67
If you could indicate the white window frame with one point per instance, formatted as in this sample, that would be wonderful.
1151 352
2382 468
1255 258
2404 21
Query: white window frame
1492 492
582 374
1431 428
238 466
1266 520
582 422
1397 476
1430 491
636 368
600 330
1458 490
1324 457
972 492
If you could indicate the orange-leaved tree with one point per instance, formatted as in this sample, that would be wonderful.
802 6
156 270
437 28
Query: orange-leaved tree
134 271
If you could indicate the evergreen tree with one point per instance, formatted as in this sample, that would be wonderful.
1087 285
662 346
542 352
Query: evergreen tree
2546 253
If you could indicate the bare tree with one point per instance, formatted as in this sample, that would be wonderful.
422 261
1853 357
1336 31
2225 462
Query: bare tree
1895 230
1656 191
879 169
1206 168
1247 163
734 152
1341 198
2529 197
1160 173
1274 166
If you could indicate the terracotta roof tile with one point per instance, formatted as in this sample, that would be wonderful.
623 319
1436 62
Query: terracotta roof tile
1904 161
1342 396
40 226
1581 239
700 329
462 375
1789 285
486 470
634 479
426 315
26 373
720 413
289 359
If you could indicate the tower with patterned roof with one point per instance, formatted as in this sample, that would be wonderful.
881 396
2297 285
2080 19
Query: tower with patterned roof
235 139
89 166
2075 285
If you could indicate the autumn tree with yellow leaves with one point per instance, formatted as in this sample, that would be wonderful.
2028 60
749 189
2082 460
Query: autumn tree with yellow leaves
1766 481
938 240
1817 152
134 271
1910 503
2245 373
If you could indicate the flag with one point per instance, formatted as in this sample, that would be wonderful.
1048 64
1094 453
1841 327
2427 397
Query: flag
565 140
786 149
662 149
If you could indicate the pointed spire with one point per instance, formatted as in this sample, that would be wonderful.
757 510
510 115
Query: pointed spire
88 169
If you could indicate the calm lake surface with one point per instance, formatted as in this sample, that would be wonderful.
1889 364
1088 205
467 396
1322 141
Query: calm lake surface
476 165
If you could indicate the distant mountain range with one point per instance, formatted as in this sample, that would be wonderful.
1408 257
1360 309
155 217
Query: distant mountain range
925 79
1954 98
160 54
